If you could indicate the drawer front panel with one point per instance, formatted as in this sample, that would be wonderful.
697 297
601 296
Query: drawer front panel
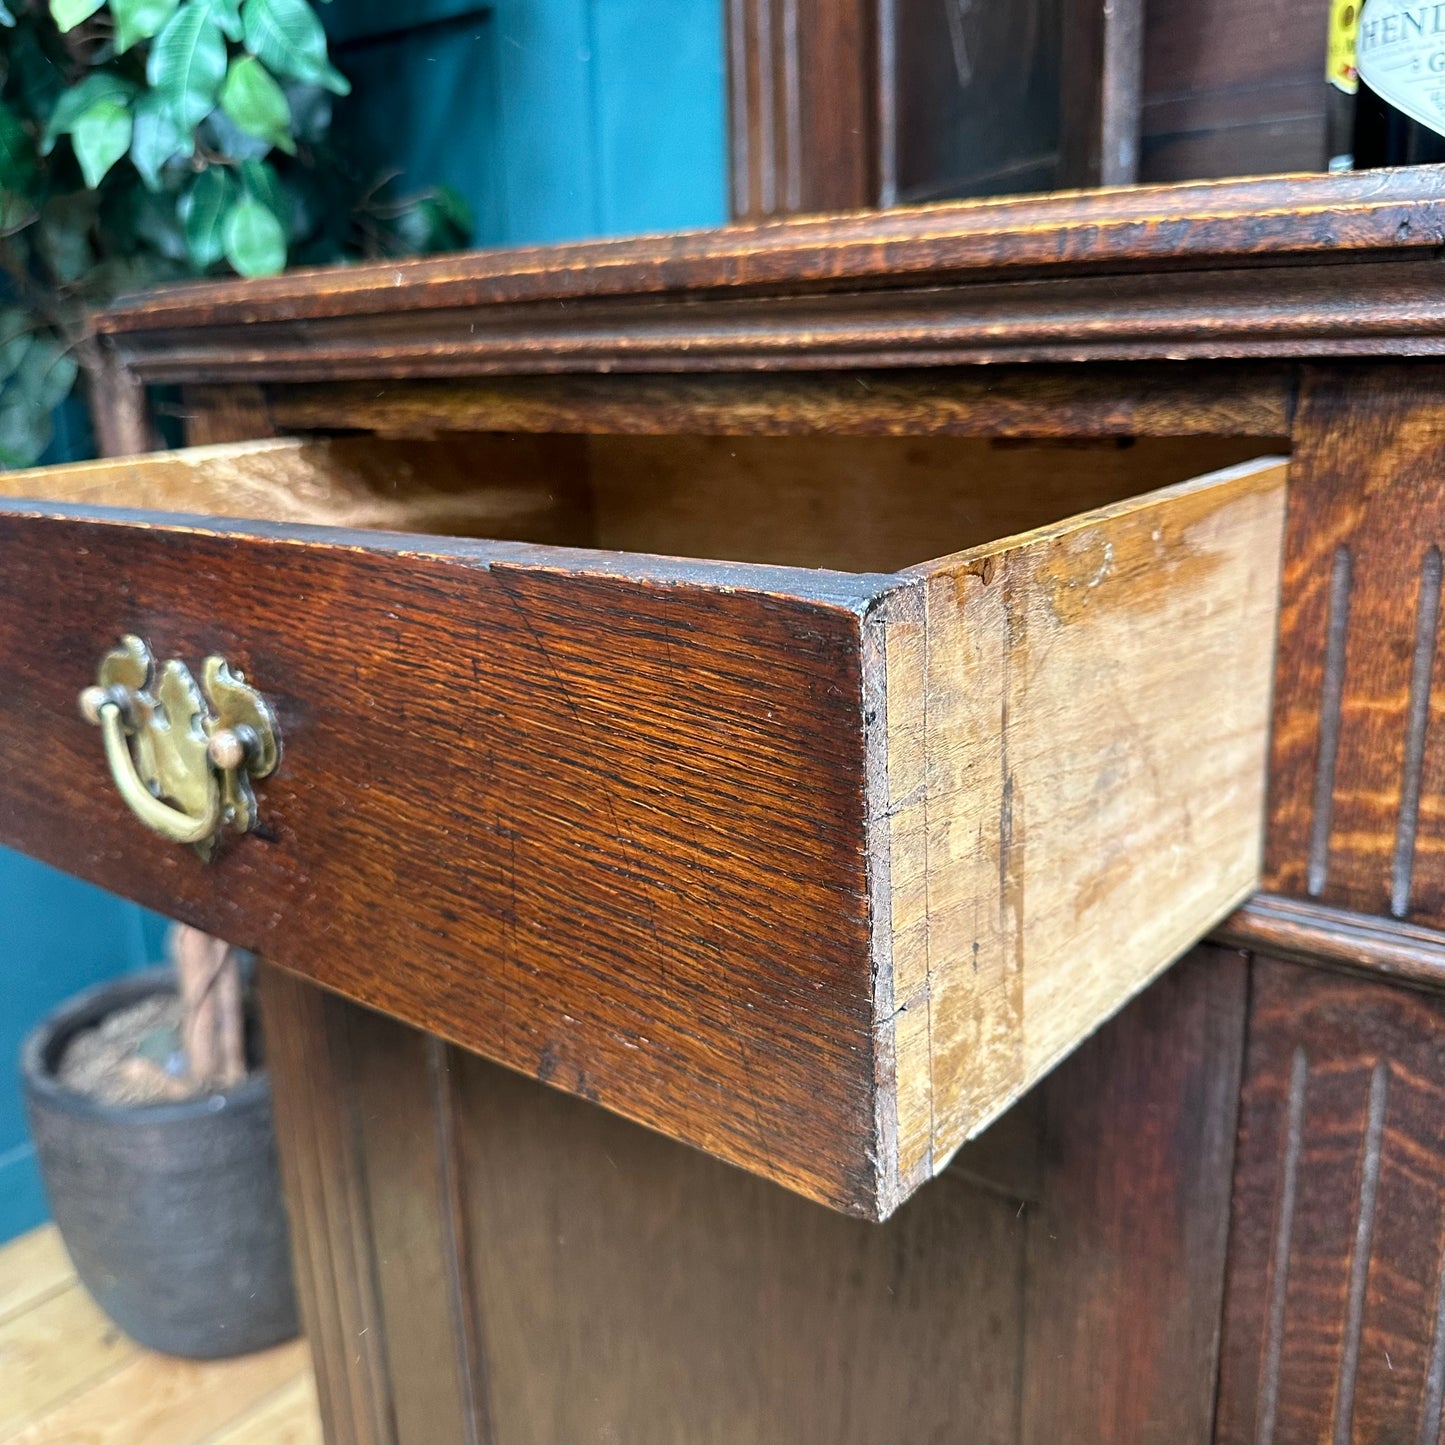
605 826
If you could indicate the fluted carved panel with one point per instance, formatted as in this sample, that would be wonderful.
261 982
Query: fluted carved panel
1358 767
1333 1320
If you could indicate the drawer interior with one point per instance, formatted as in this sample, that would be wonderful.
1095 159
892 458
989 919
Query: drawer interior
857 504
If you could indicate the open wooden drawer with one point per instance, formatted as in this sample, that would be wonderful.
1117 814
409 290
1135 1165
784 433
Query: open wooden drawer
814 869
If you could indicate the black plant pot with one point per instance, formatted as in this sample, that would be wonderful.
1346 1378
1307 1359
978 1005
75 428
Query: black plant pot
171 1212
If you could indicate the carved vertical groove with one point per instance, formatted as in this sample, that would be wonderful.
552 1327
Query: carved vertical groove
476 1412
1430 1421
1284 1231
1331 699
886 43
1427 622
792 109
738 97
1360 1258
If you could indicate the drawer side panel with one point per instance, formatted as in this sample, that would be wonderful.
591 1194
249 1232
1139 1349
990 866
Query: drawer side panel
1076 736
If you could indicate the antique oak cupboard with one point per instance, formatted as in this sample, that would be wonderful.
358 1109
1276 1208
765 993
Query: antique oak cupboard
794 691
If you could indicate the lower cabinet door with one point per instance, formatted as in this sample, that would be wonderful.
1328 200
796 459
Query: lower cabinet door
815 870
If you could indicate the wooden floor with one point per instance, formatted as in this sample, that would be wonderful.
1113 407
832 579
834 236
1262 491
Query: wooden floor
69 1377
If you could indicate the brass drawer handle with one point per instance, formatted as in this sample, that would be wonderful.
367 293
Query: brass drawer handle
183 763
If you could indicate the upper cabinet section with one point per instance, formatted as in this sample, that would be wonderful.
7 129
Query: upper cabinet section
859 103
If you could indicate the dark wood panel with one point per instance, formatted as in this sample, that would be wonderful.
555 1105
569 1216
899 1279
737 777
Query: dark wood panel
1234 87
1127 1243
1103 48
802 106
1060 1280
323 1174
1358 767
969 97
633 1291
607 829
1335 1319
1242 400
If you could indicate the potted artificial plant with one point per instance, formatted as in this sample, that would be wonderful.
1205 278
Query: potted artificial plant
151 1114
149 140
144 141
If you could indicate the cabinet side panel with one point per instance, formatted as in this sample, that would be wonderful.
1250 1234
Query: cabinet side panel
1335 1313
1076 775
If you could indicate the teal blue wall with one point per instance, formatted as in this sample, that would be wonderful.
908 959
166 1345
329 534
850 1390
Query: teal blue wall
555 119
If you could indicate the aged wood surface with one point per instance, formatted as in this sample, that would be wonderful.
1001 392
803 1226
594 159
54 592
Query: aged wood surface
1127 1242
600 817
800 98
1131 401
508 488
762 798
1075 723
867 504
608 1284
1315 933
1232 87
1335 1314
375 1257
1358 762
900 288
1393 307
1103 55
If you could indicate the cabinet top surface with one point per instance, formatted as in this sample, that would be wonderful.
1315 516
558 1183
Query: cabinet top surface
1233 268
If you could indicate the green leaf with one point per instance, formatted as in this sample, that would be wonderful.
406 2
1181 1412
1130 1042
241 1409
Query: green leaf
257 104
16 327
16 212
99 85
203 211
67 14
139 20
310 110
25 431
228 16
101 137
188 62
255 242
156 137
261 183
46 374
157 223
17 151
287 35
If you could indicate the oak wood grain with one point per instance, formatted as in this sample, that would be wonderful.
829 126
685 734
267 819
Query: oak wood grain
1315 933
1075 723
1358 759
906 287
1129 401
601 818
505 487
1335 1313
710 809
618 1285
1230 309
802 122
